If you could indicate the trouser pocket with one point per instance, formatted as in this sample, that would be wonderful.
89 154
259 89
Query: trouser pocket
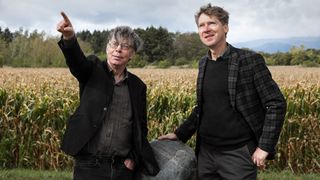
252 146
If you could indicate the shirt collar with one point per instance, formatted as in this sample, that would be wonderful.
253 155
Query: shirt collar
225 53
125 72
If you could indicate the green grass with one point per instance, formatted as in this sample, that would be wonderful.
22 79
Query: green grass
24 174
286 175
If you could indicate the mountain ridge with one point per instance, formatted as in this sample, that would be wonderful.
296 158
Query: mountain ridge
280 45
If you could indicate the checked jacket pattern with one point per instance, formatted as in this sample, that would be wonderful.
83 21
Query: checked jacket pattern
252 92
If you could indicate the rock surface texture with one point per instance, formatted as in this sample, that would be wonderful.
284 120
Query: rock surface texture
177 161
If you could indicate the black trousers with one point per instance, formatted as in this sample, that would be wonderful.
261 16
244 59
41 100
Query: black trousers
233 164
101 168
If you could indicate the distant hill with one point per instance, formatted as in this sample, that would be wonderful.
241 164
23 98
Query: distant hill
281 45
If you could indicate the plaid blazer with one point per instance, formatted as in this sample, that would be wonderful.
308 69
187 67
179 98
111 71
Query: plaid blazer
253 93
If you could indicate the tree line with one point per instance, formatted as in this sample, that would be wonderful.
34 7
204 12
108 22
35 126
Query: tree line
161 48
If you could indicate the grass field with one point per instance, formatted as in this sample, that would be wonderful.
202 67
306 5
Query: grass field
23 174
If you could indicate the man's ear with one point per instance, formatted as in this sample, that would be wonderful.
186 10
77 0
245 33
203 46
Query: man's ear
131 55
226 28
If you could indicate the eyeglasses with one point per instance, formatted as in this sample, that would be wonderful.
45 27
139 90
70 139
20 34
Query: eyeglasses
115 44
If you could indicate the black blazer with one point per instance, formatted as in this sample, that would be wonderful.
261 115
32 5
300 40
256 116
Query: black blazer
96 89
253 93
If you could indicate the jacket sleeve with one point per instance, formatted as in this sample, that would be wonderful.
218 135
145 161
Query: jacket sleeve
149 163
273 102
144 128
79 65
188 127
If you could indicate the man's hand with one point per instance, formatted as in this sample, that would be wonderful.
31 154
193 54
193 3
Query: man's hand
170 136
65 27
129 163
259 157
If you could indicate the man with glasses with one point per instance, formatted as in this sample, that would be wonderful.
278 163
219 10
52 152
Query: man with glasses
107 134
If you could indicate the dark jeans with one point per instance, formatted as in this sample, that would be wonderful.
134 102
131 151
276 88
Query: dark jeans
233 164
101 168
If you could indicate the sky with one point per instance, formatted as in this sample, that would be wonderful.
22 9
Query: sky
248 19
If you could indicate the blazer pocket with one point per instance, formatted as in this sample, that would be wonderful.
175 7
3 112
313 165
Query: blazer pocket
77 134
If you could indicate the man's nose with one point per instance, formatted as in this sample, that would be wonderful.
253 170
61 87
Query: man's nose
206 28
119 47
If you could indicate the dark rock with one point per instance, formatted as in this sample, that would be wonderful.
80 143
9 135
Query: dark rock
177 161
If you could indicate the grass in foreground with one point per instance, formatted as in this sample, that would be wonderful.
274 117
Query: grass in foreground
25 174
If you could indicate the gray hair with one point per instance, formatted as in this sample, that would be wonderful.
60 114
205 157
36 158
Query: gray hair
125 32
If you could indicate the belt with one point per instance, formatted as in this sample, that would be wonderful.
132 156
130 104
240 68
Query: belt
100 159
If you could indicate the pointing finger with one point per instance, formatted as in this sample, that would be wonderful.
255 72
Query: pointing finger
65 17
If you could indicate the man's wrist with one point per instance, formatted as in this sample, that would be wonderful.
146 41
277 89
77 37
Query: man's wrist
70 37
69 42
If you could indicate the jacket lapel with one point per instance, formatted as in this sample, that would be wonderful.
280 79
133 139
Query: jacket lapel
202 66
233 69
133 93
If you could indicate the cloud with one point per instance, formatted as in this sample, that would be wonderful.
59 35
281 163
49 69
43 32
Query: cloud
249 19
276 19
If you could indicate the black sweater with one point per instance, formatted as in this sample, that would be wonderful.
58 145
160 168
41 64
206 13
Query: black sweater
221 125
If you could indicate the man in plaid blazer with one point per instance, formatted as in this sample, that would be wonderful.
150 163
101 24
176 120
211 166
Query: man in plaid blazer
240 109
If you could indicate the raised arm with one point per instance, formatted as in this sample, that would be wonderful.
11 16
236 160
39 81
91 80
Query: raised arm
80 66
65 27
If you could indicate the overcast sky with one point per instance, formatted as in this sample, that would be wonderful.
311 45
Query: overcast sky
249 19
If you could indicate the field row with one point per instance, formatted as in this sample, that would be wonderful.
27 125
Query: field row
35 103
285 76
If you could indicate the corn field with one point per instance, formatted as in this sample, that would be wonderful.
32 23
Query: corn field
35 103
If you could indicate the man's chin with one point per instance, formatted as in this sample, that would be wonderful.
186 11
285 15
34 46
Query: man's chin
208 43
115 62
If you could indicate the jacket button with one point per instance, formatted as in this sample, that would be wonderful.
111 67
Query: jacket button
104 108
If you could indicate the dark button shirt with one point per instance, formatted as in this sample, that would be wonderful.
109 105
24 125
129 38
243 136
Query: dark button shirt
114 136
